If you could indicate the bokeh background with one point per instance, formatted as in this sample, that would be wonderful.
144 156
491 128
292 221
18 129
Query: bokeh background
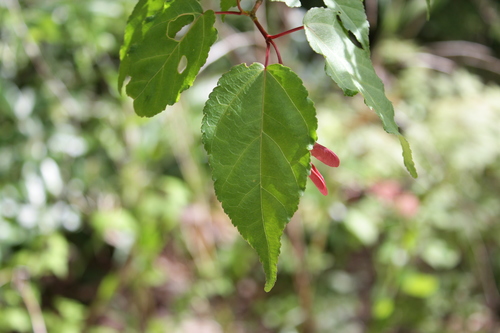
109 223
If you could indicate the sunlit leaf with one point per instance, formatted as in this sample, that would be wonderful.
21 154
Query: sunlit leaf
164 51
258 128
291 3
419 285
351 68
353 17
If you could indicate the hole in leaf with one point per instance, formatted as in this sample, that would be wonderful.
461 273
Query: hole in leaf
182 64
178 28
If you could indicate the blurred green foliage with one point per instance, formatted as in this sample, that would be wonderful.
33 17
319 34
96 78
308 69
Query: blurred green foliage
108 221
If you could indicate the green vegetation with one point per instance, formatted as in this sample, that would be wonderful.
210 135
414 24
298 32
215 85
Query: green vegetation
109 222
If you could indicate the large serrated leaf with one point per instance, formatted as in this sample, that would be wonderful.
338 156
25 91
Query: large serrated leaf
290 3
167 48
351 68
258 128
353 17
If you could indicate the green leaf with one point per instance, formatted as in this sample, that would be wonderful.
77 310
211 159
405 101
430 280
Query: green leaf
407 156
160 56
227 4
428 9
291 3
353 17
139 22
419 284
351 68
258 128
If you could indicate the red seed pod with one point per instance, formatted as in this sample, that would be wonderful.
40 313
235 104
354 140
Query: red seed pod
318 180
325 155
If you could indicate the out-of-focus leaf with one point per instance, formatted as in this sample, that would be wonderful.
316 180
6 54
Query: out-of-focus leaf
419 285
258 128
165 51
351 68
383 308
227 4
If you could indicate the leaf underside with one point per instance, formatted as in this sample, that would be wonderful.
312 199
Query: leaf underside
161 58
290 3
351 68
353 17
258 128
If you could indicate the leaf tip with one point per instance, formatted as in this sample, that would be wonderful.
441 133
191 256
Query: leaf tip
407 157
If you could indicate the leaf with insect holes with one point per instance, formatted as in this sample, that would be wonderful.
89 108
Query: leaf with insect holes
258 127
351 68
291 3
163 51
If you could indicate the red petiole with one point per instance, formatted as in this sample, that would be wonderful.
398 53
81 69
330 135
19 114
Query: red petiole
230 13
286 32
269 38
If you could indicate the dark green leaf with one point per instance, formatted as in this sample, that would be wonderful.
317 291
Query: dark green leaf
258 128
165 52
351 68
139 22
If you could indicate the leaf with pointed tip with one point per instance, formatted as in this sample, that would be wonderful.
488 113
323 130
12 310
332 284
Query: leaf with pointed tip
165 53
258 127
351 68
353 17
291 3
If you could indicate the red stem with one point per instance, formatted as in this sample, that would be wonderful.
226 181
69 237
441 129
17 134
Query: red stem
276 50
261 28
229 13
268 52
269 38
286 32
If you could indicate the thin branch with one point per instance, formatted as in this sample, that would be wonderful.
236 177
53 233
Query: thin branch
286 32
256 6
268 53
260 27
278 54
20 280
229 13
